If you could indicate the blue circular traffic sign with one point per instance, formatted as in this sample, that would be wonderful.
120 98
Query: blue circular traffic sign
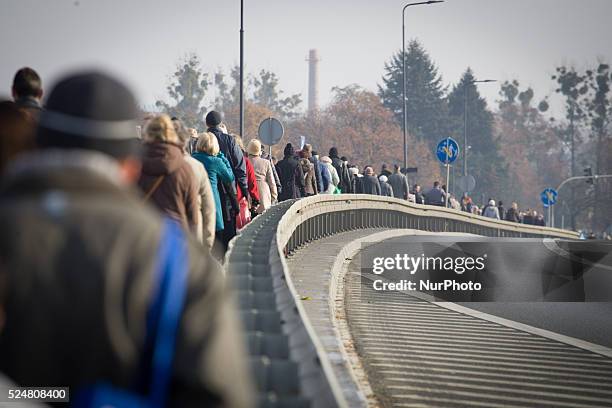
447 150
549 197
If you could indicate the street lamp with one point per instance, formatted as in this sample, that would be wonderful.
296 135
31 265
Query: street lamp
241 68
465 119
404 70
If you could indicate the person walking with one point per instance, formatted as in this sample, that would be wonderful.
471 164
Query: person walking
206 201
369 182
385 188
334 180
82 258
307 153
436 196
502 210
167 179
512 214
310 182
466 203
27 91
232 152
326 177
399 183
264 176
419 198
291 175
345 183
219 172
272 161
491 211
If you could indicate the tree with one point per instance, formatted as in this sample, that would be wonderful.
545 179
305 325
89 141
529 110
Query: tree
531 147
267 94
187 87
427 112
363 129
484 160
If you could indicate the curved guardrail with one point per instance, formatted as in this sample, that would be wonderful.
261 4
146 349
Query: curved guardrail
288 363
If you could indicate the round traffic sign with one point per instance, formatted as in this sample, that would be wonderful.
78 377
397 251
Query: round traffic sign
549 196
447 150
271 131
466 183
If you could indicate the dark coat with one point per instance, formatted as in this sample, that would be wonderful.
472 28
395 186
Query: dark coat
79 282
370 185
419 198
291 178
512 215
343 174
178 193
435 196
399 182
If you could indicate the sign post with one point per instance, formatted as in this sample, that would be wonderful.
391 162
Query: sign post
549 198
447 152
270 132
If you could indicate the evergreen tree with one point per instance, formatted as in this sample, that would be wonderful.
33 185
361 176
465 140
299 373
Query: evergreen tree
484 160
426 108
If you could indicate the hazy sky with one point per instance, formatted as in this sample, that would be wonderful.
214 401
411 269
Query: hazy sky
143 39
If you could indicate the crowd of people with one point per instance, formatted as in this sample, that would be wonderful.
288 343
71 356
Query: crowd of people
87 187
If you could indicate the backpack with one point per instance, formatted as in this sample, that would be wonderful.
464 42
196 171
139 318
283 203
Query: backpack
162 324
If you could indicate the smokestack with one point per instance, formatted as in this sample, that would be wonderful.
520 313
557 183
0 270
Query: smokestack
313 80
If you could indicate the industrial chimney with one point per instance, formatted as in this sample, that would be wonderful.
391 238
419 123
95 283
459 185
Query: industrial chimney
313 81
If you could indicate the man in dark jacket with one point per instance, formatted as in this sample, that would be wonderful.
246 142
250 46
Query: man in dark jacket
512 214
342 170
369 182
436 196
291 175
228 146
419 198
399 183
27 90
79 252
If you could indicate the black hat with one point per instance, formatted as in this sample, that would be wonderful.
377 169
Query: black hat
213 118
90 111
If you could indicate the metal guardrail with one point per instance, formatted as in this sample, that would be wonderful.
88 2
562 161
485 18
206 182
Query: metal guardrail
289 365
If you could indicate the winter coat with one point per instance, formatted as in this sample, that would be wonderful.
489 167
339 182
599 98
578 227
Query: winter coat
343 174
491 212
279 187
370 185
265 181
502 212
334 180
356 184
178 193
219 171
251 182
232 152
512 215
310 182
386 189
207 224
291 178
79 283
435 196
399 182
419 198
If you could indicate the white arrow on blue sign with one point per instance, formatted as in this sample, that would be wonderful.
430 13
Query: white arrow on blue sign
447 150
549 197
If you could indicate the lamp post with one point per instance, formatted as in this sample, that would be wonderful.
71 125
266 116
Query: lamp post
465 119
404 71
241 68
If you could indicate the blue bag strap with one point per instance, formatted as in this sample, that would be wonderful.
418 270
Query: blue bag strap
165 315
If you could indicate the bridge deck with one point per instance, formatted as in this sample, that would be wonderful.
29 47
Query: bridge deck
417 353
